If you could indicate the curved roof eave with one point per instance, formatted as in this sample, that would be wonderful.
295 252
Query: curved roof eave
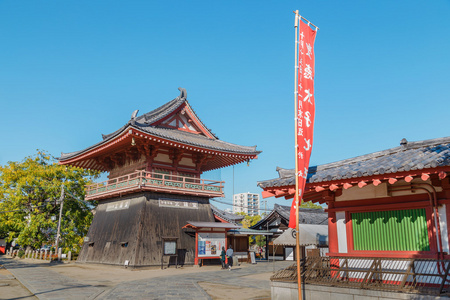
408 157
219 147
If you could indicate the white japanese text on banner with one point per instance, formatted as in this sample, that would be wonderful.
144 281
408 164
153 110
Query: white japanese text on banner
305 110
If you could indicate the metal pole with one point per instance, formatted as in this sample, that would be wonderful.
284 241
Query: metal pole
296 199
296 12
61 200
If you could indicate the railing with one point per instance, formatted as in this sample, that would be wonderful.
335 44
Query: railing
388 274
151 180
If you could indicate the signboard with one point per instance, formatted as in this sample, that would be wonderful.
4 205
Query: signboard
119 205
210 244
252 257
178 203
170 247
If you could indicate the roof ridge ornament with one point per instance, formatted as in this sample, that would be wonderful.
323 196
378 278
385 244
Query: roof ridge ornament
404 143
133 117
183 93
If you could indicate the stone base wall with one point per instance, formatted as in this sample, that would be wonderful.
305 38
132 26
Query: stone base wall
288 290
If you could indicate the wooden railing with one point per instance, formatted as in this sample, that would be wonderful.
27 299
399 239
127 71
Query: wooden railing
427 276
143 180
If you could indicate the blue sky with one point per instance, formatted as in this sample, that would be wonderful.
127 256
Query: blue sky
72 70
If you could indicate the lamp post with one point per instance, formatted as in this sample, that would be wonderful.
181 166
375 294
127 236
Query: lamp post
61 200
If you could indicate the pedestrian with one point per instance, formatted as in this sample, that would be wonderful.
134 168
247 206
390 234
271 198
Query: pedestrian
230 257
222 258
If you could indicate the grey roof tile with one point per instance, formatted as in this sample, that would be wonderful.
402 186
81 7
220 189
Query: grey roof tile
409 156
232 218
306 215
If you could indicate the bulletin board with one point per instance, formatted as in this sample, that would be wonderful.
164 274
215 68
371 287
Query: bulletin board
210 243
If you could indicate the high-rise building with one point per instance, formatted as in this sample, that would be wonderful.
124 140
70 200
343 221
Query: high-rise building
247 203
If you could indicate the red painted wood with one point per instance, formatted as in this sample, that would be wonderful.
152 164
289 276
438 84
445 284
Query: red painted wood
349 231
196 248
395 206
398 200
266 194
383 177
431 229
447 211
220 219
332 232
222 158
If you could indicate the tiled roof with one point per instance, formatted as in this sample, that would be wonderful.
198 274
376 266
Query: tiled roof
198 140
306 215
409 156
232 218
145 121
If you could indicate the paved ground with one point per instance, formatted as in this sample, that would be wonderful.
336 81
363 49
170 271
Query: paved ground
83 281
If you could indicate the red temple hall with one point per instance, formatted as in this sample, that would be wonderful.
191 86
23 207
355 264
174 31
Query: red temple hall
154 186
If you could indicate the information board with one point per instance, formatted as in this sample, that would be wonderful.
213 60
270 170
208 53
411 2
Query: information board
170 247
210 243
252 257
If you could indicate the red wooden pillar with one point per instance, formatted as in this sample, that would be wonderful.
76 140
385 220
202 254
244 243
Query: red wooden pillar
447 211
349 231
332 230
226 245
196 248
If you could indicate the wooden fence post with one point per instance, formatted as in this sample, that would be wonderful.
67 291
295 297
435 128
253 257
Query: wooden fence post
59 254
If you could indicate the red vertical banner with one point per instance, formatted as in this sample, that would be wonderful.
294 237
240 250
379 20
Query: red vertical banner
305 110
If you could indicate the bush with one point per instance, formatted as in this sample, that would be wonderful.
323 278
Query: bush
21 254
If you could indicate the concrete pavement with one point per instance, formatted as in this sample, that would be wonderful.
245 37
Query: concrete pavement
47 282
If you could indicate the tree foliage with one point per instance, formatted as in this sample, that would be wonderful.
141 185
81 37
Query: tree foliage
309 204
249 221
29 197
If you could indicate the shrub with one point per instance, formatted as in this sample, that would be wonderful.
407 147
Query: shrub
21 254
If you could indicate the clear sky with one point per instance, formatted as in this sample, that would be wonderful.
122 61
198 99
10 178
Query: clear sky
72 70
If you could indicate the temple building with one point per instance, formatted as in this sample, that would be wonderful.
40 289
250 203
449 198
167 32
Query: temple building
391 203
154 186
388 217
277 222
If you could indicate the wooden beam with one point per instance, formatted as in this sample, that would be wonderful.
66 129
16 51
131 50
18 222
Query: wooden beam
267 194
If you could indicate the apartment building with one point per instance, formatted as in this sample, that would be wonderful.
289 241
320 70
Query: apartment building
247 203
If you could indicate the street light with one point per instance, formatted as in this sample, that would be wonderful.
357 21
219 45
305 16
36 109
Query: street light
61 200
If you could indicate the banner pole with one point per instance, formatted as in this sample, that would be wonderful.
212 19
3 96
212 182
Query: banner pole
297 204
296 13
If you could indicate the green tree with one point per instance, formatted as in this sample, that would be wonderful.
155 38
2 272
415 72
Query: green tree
249 221
29 197
309 204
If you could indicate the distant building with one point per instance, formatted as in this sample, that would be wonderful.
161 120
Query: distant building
247 203
226 216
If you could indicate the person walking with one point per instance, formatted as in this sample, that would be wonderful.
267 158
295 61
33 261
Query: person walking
222 258
230 257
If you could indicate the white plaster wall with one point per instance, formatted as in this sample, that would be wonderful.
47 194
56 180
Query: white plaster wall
341 232
443 223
